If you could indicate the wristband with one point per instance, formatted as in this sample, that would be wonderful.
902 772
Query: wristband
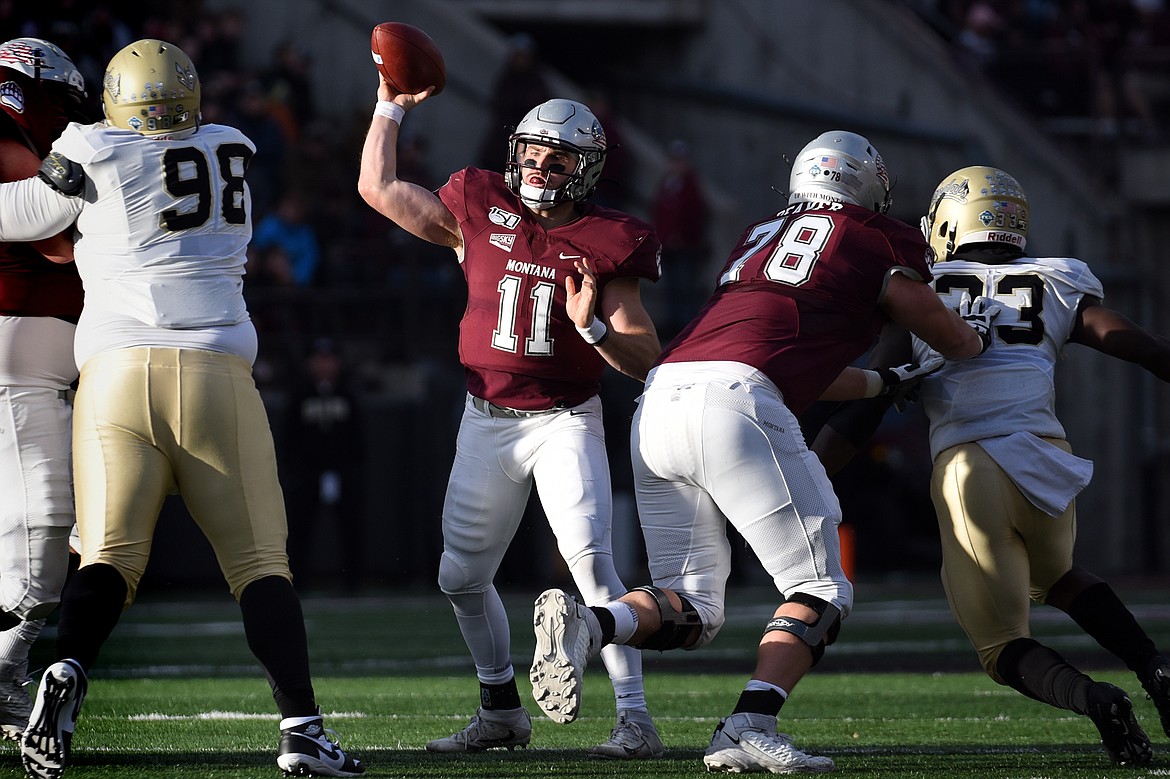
596 333
390 110
873 384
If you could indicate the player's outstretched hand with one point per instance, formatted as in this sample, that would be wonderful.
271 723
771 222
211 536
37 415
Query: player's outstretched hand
901 382
580 304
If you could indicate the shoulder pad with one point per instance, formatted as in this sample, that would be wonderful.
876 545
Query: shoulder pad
62 174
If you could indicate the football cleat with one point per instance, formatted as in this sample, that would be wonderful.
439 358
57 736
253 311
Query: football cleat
749 743
633 737
488 729
44 746
567 635
15 703
306 749
1123 738
1157 686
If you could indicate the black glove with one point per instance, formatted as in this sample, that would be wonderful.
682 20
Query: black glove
978 313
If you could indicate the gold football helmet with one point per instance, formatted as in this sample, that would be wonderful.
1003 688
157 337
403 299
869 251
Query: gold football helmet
977 205
151 87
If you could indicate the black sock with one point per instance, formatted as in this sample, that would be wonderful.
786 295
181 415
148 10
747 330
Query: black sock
499 696
1042 674
1102 615
607 621
275 628
759 702
91 606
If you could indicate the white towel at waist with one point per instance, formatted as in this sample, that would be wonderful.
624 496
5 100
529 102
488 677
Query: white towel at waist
1048 476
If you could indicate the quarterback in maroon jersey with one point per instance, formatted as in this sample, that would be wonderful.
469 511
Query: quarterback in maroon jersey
552 297
716 439
40 299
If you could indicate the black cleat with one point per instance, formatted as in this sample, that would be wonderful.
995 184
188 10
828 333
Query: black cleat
1123 738
1157 684
307 750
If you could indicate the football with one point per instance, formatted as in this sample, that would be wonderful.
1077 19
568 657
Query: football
407 57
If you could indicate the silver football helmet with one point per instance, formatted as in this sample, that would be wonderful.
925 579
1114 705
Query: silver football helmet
840 166
977 205
41 60
562 124
41 90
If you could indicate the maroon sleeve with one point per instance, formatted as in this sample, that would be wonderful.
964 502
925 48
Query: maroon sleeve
452 195
622 245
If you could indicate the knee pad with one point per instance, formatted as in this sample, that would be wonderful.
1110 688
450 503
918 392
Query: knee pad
680 627
452 575
817 635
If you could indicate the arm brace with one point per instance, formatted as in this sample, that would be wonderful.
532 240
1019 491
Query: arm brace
32 209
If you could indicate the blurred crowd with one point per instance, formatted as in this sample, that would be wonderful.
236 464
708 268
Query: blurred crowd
311 229
1097 69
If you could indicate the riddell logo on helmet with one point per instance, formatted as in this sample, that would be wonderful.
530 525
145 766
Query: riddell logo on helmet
1012 238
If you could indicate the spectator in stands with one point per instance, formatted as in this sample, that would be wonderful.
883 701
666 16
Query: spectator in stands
323 463
614 189
978 41
518 87
288 228
289 85
250 113
680 214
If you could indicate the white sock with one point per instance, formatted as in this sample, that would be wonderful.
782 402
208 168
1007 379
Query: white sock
625 620
756 684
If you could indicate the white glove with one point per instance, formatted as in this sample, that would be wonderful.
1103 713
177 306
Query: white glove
978 313
901 381
902 377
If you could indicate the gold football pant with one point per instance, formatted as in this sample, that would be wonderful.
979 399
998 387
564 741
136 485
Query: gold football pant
999 551
154 421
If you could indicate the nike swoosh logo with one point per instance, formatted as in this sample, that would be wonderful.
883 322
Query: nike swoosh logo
577 414
329 750
503 739
570 256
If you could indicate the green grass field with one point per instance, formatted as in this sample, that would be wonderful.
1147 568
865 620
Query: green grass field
176 694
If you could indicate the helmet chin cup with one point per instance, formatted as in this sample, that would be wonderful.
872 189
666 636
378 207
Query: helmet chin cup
538 197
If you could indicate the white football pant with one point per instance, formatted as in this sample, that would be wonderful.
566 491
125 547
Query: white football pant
714 443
